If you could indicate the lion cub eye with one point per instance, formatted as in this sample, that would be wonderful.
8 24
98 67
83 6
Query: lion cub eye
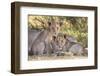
62 40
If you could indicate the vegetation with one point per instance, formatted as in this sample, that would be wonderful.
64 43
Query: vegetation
74 26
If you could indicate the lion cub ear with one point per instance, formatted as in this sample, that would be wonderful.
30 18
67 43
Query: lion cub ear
54 38
49 23
61 23
65 36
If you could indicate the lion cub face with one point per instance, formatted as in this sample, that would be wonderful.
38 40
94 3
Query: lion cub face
59 42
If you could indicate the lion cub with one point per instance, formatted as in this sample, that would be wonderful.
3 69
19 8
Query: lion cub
58 43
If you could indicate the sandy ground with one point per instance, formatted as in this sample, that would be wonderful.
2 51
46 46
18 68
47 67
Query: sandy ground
31 58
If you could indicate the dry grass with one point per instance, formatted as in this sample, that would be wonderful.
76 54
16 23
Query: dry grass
30 58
